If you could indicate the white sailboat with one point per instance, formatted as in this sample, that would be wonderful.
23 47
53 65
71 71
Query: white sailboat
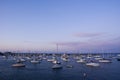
93 64
34 61
18 65
57 66
104 61
81 60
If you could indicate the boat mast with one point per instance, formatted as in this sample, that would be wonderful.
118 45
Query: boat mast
57 48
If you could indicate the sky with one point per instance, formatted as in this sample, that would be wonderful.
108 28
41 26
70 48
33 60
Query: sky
73 25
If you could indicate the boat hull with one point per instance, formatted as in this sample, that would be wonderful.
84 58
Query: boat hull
18 65
57 67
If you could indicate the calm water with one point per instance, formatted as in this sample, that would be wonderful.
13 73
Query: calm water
43 71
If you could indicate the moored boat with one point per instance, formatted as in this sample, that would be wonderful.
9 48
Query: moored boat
93 64
35 61
57 66
105 61
118 59
18 65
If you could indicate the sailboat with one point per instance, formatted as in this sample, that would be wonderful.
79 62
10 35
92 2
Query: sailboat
81 60
93 64
105 61
18 64
34 61
57 65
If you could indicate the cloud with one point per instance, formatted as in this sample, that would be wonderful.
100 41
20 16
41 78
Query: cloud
87 34
117 39
71 44
29 41
74 45
98 45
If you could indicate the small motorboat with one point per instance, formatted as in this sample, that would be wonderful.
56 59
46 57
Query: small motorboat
56 62
69 66
57 66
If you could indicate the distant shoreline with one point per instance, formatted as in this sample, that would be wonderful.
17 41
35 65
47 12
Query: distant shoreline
11 53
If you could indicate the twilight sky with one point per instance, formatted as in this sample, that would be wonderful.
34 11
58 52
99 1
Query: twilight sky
75 25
